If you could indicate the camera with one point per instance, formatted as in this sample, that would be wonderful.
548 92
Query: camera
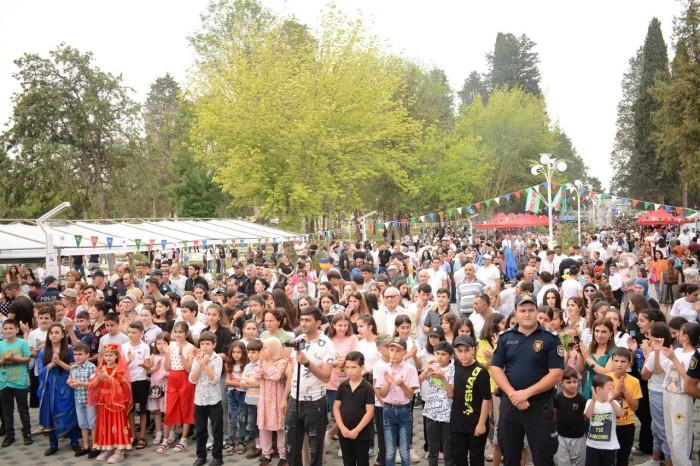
297 345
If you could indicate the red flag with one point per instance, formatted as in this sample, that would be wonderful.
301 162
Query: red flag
634 202
151 242
441 214
477 205
517 194
94 241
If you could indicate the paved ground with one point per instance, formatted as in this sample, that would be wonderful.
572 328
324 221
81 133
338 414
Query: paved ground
19 454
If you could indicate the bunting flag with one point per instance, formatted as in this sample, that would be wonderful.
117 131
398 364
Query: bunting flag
137 241
196 243
94 241
151 243
517 194
163 243
243 243
110 241
507 196
532 203
204 243
184 244
78 239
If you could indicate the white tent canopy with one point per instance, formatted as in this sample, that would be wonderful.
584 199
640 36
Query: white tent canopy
26 240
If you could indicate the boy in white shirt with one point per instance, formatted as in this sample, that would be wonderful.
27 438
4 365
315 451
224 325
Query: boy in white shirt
602 410
138 354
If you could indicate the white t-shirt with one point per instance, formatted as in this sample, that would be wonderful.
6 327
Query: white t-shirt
370 351
570 288
436 280
478 323
36 338
656 381
488 275
319 351
141 352
682 308
119 339
601 431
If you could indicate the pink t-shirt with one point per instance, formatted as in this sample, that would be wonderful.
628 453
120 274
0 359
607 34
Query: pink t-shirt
343 346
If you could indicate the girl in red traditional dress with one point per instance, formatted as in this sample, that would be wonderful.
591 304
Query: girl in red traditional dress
110 391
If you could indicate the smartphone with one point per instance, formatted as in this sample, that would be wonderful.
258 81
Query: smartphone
577 340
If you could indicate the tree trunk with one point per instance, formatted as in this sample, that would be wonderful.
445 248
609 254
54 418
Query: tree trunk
99 185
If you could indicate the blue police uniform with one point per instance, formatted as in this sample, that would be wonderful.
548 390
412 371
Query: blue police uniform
525 360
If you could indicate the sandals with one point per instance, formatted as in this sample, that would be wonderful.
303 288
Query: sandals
180 446
241 448
162 448
141 444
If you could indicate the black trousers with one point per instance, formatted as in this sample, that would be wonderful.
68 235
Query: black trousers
537 422
202 416
643 413
438 440
313 418
596 457
8 398
355 452
467 449
379 424
33 389
625 436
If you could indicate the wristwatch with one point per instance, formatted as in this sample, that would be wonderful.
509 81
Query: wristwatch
307 364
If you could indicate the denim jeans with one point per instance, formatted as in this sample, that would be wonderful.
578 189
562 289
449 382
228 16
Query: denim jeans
237 415
398 424
313 418
251 422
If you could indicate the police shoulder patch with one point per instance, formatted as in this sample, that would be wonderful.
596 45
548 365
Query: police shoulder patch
560 351
693 362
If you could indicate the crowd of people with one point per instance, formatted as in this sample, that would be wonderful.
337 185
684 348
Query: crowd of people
283 353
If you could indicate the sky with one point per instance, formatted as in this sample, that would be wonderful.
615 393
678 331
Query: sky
584 47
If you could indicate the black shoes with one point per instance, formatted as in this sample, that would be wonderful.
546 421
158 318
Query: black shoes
93 454
28 440
216 462
200 462
50 451
8 441
81 452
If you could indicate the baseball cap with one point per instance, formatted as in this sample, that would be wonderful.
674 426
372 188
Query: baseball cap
525 298
436 331
382 339
156 272
398 342
97 273
239 265
49 280
392 267
446 347
465 340
486 256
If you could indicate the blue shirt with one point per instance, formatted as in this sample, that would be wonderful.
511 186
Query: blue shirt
527 359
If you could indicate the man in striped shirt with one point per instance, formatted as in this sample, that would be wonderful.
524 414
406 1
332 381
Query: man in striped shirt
468 289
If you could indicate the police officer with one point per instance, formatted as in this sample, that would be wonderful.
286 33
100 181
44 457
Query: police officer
527 365
109 292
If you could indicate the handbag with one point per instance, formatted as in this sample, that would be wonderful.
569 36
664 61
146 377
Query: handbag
155 392
652 277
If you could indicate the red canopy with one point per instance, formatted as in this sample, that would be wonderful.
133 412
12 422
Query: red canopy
660 217
502 221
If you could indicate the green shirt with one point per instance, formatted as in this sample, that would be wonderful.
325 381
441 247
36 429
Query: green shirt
14 374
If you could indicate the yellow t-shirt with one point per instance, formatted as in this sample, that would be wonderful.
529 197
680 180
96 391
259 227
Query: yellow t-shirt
635 390
483 344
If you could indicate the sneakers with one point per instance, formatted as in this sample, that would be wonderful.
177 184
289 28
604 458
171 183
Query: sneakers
651 462
414 456
340 453
104 455
282 462
116 457
28 440
397 460
266 461
158 439
8 441
254 453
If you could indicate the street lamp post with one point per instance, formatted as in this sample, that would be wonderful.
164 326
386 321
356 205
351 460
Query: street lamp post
547 167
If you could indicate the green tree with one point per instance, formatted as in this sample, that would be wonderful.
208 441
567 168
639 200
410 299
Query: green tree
475 85
427 96
514 63
73 126
299 125
512 129
654 68
678 117
624 149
